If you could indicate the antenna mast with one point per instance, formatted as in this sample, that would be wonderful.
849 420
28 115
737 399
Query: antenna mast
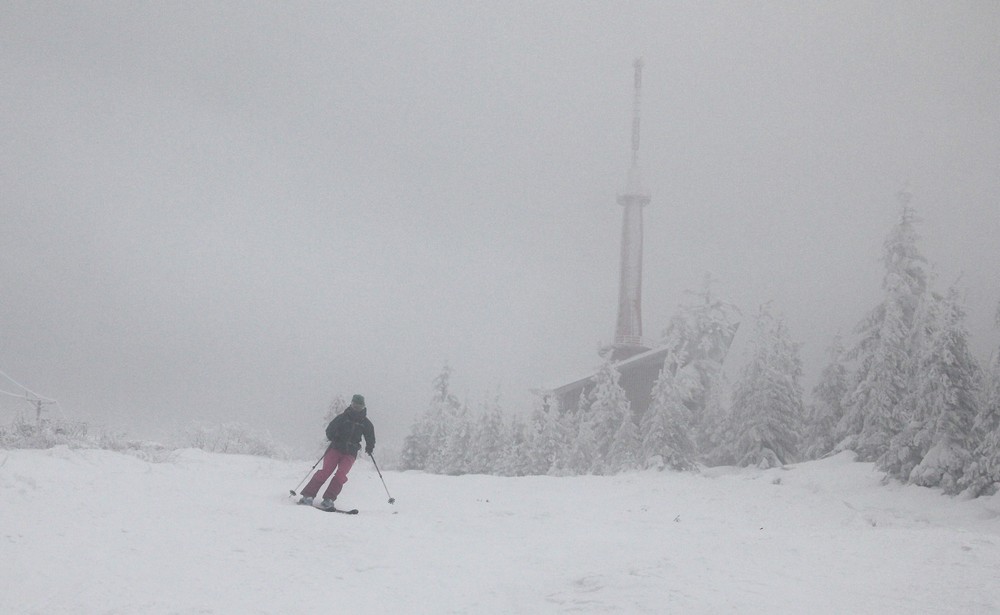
628 330
635 111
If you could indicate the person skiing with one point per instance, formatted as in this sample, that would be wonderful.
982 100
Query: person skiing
344 433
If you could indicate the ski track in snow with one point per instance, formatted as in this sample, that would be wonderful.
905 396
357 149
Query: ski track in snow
85 531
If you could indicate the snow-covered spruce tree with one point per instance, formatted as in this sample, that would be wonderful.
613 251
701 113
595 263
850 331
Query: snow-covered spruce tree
581 456
607 408
714 429
489 435
666 425
427 434
699 336
424 448
455 457
871 407
416 448
766 416
826 410
512 459
913 439
626 447
549 439
982 476
940 407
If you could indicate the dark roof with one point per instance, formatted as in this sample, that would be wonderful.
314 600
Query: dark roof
656 354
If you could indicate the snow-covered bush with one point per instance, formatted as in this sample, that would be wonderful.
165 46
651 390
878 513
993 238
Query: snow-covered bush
78 435
45 434
230 438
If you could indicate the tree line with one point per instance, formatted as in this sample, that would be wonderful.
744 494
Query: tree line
904 392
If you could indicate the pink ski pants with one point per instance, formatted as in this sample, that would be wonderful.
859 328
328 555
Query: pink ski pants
333 459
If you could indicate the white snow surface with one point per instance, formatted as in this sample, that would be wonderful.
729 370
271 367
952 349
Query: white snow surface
91 531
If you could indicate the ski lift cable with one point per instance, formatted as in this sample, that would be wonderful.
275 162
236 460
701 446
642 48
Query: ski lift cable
40 397
17 395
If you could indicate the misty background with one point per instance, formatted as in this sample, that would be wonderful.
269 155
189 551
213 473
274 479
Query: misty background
235 211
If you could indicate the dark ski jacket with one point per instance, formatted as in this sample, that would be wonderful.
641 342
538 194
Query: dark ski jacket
345 430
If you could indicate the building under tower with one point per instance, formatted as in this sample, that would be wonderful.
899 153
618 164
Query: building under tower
637 359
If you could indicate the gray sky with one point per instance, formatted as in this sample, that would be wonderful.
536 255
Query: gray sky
237 210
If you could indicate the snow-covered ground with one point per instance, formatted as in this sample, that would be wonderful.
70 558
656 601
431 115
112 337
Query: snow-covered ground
88 531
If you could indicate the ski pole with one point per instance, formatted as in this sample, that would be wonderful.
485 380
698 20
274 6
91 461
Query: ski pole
292 492
392 500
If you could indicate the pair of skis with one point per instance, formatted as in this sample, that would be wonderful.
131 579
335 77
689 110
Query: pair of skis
353 511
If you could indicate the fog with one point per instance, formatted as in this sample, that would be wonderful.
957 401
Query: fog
235 211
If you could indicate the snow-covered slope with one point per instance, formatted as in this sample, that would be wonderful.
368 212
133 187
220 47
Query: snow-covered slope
84 531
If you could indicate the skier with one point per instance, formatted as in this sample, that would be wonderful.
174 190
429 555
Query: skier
344 433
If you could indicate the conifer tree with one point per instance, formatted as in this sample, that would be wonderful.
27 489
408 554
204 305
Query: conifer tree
513 461
666 425
626 445
488 439
455 457
550 440
439 421
826 410
940 407
607 408
982 475
416 447
766 417
699 336
714 428
871 407
581 456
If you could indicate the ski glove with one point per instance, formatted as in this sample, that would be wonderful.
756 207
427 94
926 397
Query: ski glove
370 449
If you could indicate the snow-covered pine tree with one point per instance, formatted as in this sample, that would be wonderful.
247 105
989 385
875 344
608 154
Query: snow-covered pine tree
581 456
607 408
941 405
699 336
666 425
827 409
572 454
455 457
489 435
439 421
766 417
982 476
427 434
513 461
416 447
913 439
548 440
871 407
626 447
